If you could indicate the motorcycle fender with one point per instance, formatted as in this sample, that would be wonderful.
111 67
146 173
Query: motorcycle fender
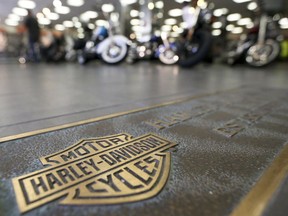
105 43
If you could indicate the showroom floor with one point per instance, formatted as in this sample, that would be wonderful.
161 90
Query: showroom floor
37 96
143 139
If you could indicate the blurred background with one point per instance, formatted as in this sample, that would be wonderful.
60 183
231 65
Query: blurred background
74 31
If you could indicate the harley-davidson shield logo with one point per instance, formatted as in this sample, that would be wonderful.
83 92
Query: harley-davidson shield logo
106 170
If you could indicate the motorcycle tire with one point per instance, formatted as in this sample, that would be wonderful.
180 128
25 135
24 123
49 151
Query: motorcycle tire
204 40
115 56
260 55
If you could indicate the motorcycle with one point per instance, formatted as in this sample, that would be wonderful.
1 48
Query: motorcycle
143 50
105 45
196 44
259 48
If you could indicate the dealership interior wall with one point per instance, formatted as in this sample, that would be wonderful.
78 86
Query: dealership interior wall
217 102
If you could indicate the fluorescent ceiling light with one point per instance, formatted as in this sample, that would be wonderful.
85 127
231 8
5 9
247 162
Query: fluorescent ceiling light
252 6
86 16
217 25
102 23
233 17
237 30
244 21
75 3
135 22
91 26
241 1
28 4
166 28
107 8
39 15
20 11
181 1
60 27
44 21
68 24
134 13
170 21
128 2
62 10
52 16
150 5
175 12
159 4
57 3
220 11
77 24
230 27
14 17
46 11
10 22
216 32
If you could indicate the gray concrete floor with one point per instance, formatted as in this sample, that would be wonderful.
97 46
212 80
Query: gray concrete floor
37 96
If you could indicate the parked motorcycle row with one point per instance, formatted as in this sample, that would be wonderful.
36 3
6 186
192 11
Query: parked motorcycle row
260 47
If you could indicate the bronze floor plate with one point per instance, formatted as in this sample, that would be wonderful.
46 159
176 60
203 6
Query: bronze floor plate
230 157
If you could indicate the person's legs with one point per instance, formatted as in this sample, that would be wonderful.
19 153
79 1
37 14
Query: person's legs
33 54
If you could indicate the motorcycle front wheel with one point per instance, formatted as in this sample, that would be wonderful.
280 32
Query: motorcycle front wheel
196 50
115 52
260 55
168 57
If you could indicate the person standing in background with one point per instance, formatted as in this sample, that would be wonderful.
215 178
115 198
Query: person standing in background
33 29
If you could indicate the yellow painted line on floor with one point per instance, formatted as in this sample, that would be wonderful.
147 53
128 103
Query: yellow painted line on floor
258 198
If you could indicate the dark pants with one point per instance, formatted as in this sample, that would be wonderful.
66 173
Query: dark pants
33 53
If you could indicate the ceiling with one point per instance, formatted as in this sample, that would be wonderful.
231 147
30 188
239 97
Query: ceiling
7 6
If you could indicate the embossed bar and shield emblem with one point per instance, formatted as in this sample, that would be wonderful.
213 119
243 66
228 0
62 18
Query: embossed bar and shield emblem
107 170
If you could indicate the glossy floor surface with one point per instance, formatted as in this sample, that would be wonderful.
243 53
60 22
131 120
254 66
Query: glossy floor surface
37 96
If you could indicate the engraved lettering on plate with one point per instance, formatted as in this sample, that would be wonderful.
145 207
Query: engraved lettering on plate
114 169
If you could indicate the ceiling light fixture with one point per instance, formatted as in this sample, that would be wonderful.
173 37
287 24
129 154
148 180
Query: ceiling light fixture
57 3
230 27
233 17
237 30
27 4
75 3
14 17
135 22
175 12
62 10
68 24
217 25
52 16
216 32
44 21
108 8
127 2
20 11
170 21
220 12
102 23
244 21
241 1
252 6
10 22
134 13
59 27
159 4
